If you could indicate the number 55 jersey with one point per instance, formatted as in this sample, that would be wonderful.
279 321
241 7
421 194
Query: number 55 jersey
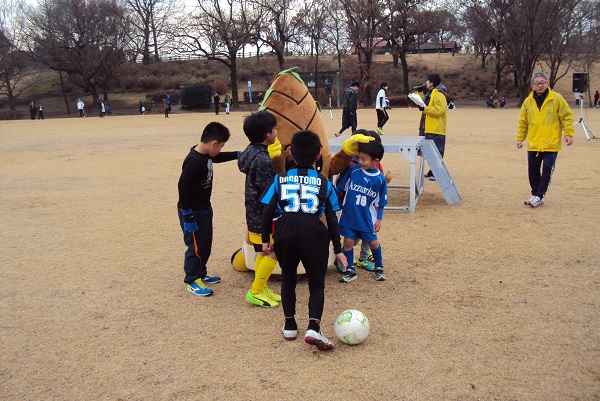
302 195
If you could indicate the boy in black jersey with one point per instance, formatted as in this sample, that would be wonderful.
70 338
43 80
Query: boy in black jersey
195 210
302 195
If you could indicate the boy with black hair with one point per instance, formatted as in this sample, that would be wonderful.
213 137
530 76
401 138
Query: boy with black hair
195 210
365 258
365 189
256 163
302 195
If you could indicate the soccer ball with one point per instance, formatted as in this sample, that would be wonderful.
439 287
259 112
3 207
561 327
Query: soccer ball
352 327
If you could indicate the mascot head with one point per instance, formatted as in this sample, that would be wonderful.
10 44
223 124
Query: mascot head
289 100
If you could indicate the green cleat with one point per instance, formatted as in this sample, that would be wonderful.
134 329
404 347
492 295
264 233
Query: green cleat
261 300
272 294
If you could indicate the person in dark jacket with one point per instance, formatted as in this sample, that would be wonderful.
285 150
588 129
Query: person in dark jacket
32 110
256 163
217 100
349 105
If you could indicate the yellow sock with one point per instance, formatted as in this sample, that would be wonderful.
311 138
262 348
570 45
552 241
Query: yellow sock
262 274
259 257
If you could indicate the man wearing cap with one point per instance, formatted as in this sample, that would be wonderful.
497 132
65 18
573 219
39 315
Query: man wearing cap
349 104
433 115
545 116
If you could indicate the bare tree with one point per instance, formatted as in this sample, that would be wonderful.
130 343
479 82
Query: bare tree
523 28
14 62
83 38
409 20
585 38
313 27
335 31
217 30
150 20
483 43
366 21
447 28
486 45
285 21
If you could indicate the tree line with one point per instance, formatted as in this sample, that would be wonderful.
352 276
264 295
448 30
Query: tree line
88 40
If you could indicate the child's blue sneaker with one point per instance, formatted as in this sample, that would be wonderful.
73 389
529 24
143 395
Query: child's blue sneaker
199 288
211 279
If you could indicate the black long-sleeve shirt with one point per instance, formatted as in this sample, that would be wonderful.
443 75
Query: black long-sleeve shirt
195 182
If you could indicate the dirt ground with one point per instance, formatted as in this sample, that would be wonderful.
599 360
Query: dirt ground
491 300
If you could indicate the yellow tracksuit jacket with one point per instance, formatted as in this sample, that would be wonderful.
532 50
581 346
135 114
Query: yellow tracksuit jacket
436 112
543 127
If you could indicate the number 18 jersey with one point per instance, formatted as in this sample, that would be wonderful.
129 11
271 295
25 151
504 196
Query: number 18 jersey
366 196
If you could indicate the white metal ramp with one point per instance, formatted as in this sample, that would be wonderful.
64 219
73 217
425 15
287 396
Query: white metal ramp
440 171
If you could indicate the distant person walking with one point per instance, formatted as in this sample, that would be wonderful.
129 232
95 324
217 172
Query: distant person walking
349 105
596 96
32 110
217 100
381 102
227 101
170 100
80 106
40 111
545 116
166 107
142 107
101 109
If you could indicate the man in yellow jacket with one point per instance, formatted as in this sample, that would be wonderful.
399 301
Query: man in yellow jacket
433 115
545 116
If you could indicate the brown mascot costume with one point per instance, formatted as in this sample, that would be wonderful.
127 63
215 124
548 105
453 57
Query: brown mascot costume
290 102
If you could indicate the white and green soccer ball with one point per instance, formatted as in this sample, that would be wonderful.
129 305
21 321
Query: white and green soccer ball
352 327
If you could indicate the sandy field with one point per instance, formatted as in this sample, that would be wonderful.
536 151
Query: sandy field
491 300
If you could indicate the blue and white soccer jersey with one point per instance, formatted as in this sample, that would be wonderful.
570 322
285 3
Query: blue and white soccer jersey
302 196
304 193
366 196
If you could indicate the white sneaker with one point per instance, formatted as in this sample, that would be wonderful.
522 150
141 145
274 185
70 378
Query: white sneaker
536 201
528 201
289 335
318 340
